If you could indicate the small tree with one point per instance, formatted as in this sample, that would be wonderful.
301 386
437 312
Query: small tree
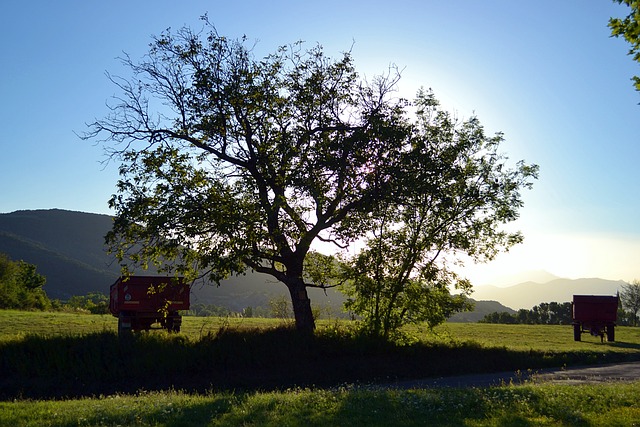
630 298
452 192
21 286
247 312
280 308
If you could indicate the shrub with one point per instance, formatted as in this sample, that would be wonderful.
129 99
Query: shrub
21 286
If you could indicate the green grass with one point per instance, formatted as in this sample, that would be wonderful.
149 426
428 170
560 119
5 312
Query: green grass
538 337
558 338
55 354
254 372
16 324
499 406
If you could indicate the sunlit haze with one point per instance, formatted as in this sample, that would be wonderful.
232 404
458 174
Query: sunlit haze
547 74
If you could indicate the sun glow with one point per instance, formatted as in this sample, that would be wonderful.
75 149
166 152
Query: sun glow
569 256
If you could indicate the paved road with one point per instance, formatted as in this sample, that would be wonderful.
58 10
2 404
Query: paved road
593 374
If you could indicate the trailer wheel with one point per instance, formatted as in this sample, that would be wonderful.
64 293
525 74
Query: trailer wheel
174 322
124 325
176 326
577 331
143 324
611 334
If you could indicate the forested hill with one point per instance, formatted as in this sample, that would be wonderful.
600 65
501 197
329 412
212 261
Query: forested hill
67 247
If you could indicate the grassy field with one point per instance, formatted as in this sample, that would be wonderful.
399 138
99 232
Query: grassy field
62 369
15 325
540 337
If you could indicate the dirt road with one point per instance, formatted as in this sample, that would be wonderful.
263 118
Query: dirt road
592 374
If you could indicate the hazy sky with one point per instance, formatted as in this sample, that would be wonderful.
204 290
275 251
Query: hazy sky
545 73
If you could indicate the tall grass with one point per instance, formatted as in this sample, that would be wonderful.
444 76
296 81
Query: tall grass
69 355
265 358
15 323
257 372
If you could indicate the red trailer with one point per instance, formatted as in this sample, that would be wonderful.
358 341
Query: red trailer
596 314
141 301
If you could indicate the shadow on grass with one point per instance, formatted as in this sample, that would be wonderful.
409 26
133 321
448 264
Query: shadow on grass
619 344
244 360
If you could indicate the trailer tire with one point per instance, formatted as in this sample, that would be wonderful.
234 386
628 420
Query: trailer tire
124 325
577 331
611 334
143 324
174 321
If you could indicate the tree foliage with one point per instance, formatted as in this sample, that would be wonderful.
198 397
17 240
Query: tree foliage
229 162
21 286
629 28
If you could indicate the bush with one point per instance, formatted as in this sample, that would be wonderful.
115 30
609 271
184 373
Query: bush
93 302
21 286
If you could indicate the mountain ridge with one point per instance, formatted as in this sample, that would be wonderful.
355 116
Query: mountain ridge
528 294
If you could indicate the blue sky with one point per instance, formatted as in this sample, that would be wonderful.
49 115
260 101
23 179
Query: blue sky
545 73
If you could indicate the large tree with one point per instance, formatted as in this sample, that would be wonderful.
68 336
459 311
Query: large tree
231 162
629 28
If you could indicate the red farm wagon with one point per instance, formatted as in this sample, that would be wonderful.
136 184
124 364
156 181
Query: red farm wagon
140 302
596 314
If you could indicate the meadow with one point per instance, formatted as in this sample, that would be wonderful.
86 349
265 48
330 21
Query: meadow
63 369
15 325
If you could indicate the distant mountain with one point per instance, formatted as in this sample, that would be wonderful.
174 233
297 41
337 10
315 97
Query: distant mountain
528 294
68 248
481 309
538 276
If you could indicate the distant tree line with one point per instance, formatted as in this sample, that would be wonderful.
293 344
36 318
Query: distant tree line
552 313
278 307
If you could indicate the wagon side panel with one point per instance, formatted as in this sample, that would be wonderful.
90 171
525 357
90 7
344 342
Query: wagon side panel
595 308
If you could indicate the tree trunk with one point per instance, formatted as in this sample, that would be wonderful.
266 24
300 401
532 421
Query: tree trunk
301 306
